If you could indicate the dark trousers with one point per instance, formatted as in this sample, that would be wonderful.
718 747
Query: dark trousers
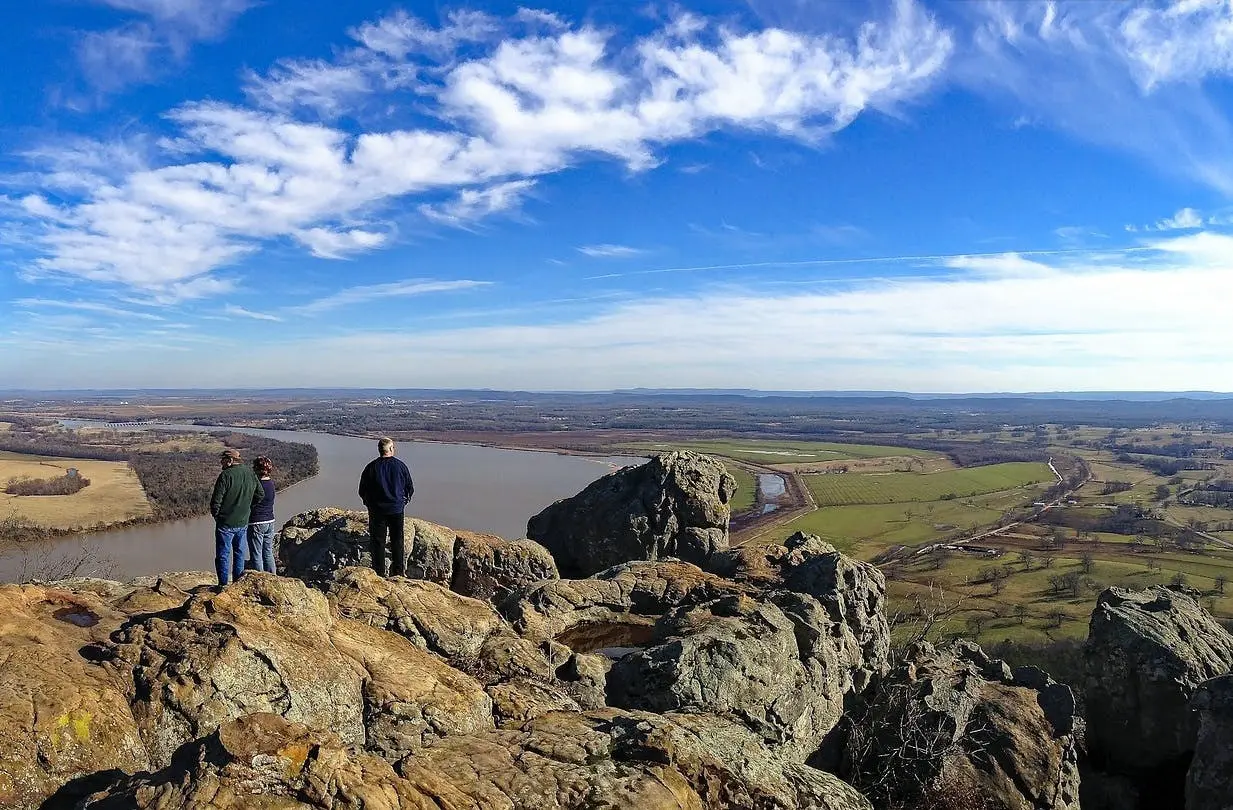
378 525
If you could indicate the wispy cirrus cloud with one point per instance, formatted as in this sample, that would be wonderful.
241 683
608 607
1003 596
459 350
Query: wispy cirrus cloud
381 292
160 33
610 251
1121 75
533 95
241 312
87 306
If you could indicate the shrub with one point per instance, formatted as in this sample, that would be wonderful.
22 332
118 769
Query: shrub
64 485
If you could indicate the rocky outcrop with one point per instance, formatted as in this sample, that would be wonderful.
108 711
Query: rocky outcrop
263 762
853 593
954 728
316 544
1147 652
262 645
742 659
676 505
616 608
1209 783
561 761
61 716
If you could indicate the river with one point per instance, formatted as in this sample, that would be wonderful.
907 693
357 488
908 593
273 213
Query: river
481 489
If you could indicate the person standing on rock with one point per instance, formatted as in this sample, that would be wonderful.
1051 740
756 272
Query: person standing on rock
261 521
236 491
385 488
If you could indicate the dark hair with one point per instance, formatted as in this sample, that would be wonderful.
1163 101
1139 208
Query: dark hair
262 465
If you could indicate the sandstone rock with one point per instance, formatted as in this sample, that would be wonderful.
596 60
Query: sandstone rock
617 607
853 592
262 645
955 728
623 760
265 762
676 505
410 696
1209 783
777 672
316 544
1147 652
428 614
559 761
61 716
518 675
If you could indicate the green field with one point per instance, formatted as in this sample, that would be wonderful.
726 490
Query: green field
843 490
746 489
780 452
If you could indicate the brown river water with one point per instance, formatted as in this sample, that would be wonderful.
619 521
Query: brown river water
481 489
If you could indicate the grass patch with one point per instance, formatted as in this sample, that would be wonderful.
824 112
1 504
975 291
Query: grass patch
841 490
780 452
114 495
746 489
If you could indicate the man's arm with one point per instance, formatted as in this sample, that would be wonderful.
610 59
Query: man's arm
216 497
366 483
259 492
409 485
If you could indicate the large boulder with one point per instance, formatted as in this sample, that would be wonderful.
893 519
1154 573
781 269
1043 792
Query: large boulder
779 667
852 592
616 608
1209 783
560 761
266 762
954 728
1147 652
316 544
522 678
261 645
61 716
675 505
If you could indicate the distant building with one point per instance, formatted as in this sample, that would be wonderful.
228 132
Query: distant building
71 472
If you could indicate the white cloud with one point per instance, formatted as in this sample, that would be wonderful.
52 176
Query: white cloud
1098 71
327 244
507 112
1062 321
162 34
241 312
1184 41
1185 219
87 306
610 251
478 203
380 292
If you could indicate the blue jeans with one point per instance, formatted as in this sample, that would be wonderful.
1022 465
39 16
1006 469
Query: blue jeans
261 546
229 552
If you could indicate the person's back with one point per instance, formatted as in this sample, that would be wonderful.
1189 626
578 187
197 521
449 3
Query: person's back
232 501
385 488
385 485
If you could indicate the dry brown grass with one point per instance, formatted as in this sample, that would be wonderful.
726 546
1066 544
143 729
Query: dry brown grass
114 495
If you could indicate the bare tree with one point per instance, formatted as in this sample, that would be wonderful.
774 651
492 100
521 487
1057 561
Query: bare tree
1220 582
1028 559
1087 562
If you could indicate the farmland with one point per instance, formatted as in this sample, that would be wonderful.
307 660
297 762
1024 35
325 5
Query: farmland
847 489
114 495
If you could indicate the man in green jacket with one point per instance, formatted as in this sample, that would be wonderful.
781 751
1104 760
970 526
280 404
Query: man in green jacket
236 492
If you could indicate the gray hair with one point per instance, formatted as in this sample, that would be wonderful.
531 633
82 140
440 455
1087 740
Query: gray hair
385 446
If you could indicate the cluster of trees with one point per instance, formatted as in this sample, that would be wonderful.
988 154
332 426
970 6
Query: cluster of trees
1209 493
64 485
179 484
1114 487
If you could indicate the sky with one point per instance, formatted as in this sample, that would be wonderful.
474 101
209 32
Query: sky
773 194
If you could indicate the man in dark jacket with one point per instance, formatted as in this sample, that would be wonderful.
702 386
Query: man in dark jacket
236 492
385 488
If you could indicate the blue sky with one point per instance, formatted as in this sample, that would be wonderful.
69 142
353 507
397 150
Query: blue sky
776 194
